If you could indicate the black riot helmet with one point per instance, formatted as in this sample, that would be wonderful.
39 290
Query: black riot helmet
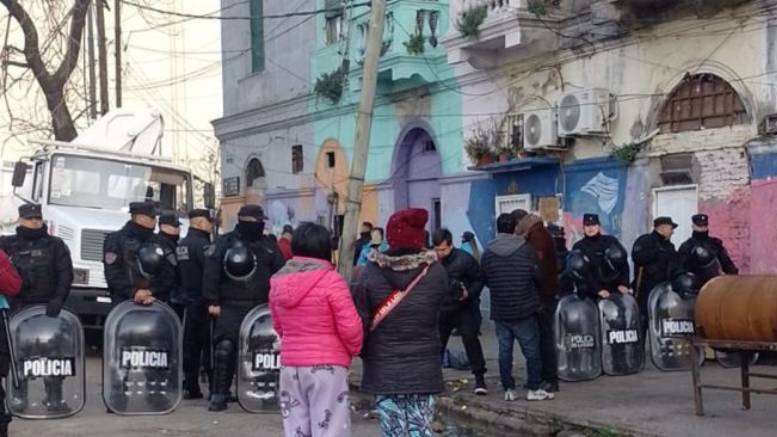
686 284
614 259
702 257
239 262
577 263
151 259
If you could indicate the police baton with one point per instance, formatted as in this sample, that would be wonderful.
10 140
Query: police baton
212 345
9 341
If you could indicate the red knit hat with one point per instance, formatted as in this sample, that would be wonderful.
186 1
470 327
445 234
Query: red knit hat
406 229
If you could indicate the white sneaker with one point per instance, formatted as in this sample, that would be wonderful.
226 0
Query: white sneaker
511 395
539 395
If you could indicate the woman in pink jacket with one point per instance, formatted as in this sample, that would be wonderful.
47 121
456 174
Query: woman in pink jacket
320 331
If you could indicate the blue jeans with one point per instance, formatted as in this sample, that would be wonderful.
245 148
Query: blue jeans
527 332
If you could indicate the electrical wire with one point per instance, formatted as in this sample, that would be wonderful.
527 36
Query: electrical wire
255 17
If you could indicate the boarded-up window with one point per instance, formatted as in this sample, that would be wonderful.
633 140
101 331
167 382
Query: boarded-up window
702 101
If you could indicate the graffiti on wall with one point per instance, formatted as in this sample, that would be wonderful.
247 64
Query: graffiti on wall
594 186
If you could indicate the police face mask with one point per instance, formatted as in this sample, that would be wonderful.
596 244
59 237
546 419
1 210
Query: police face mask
250 230
170 237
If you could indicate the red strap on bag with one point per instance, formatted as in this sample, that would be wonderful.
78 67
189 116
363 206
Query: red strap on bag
393 299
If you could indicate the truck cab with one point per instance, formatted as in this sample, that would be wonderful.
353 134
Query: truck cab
85 194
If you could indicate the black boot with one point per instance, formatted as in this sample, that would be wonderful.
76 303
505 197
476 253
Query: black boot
54 401
218 402
222 376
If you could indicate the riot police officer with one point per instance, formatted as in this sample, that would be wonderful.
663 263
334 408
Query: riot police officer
655 261
703 255
237 278
196 335
10 285
43 261
169 234
121 260
609 268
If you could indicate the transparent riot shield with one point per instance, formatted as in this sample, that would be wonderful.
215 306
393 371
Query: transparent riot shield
50 364
622 345
142 368
671 319
578 340
259 363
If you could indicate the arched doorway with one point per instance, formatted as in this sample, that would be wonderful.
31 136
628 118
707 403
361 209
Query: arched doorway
332 180
256 182
415 174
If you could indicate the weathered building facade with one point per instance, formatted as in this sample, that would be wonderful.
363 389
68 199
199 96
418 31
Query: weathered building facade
627 108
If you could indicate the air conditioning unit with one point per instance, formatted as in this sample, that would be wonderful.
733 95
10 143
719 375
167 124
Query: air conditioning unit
539 130
585 112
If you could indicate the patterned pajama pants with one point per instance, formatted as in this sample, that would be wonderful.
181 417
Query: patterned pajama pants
314 401
406 415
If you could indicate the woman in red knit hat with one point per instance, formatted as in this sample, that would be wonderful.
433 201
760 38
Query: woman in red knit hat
398 295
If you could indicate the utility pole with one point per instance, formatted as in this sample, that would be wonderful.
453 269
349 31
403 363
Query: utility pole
118 47
102 55
90 61
353 204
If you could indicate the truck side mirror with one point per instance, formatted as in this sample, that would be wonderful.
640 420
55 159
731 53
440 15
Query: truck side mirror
19 174
209 195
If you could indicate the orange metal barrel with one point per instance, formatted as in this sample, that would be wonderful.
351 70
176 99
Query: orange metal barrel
740 308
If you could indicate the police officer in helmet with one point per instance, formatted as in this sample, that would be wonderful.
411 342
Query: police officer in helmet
169 234
134 268
196 335
43 261
703 255
236 279
608 263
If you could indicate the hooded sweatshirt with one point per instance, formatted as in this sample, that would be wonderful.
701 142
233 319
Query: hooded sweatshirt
314 315
511 272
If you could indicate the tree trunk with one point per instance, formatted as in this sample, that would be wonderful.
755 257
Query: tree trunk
61 120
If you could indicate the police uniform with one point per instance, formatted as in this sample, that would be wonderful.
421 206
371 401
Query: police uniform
602 273
170 245
236 297
196 337
711 244
120 260
43 261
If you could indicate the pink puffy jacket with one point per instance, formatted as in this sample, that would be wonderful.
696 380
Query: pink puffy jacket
313 313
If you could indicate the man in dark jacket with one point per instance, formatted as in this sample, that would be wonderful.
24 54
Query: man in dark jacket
511 271
607 257
457 310
401 354
705 256
120 260
232 295
169 234
531 227
196 333
44 264
655 261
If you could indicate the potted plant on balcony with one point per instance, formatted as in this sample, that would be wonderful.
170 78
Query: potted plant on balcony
330 85
479 146
470 21
415 44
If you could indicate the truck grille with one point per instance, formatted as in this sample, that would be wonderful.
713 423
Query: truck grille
92 244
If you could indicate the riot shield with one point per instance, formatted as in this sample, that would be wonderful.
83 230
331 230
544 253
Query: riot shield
259 363
622 347
50 364
578 340
142 368
671 318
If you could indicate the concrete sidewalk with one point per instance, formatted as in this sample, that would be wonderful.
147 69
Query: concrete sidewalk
650 403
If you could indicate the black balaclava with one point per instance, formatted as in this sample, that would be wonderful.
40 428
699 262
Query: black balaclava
701 235
171 237
31 234
250 231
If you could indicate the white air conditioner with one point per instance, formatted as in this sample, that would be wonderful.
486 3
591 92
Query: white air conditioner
539 130
586 112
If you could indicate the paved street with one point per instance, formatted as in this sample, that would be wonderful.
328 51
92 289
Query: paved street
190 419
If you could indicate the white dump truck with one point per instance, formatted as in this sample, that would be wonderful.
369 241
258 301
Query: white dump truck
85 188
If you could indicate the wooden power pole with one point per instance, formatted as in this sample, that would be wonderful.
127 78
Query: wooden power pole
102 55
118 47
361 146
90 61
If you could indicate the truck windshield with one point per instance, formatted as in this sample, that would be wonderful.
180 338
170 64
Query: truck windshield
106 184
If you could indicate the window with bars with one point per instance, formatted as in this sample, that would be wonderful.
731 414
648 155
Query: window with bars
334 21
514 131
297 161
701 101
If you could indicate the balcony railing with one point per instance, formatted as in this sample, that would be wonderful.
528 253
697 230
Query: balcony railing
411 38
